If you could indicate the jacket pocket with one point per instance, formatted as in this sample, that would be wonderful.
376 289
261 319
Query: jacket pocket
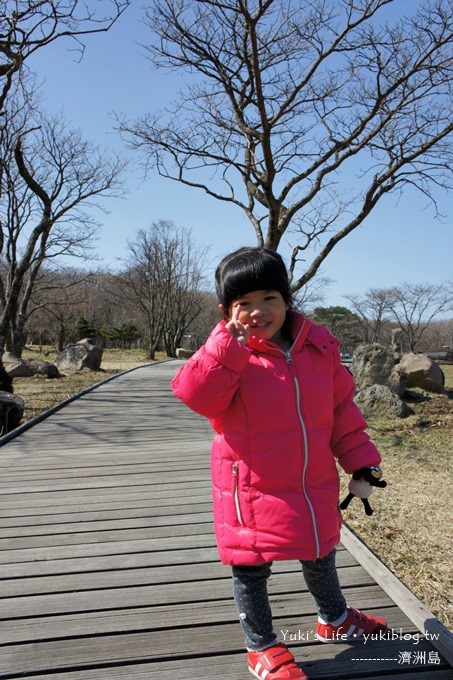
237 502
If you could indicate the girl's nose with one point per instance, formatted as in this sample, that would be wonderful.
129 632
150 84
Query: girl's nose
257 311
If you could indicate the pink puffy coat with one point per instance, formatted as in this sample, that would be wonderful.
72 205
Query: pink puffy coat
281 419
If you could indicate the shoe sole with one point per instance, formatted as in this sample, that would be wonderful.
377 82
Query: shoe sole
253 673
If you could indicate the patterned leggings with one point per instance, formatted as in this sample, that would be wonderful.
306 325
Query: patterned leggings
252 602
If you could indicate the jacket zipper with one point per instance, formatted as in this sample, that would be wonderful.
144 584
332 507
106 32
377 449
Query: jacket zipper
305 438
304 471
235 471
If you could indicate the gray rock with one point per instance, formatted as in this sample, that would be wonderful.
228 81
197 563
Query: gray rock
379 400
26 368
372 364
43 368
418 370
80 355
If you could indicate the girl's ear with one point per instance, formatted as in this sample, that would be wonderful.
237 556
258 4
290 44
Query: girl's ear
221 309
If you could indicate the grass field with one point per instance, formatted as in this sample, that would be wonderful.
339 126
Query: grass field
411 529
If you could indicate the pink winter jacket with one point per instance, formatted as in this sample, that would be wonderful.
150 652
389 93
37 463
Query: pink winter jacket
281 419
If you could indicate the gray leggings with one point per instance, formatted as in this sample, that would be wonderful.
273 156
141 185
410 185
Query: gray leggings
252 602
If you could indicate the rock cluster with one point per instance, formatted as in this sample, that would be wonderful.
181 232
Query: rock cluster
382 384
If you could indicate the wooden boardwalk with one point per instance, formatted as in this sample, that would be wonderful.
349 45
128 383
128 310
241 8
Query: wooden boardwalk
108 562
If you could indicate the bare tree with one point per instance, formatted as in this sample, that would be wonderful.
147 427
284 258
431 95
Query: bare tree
58 298
414 306
163 282
312 294
302 114
50 174
438 338
29 25
372 311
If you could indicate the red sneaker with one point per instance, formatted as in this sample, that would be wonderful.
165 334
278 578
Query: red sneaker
354 626
274 663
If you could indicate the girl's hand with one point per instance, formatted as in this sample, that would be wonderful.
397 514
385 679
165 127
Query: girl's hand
239 331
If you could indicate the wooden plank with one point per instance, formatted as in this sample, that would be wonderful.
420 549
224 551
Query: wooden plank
152 533
143 466
43 504
52 516
112 560
118 526
104 548
75 496
99 483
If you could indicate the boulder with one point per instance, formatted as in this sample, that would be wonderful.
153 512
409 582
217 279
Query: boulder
183 353
418 370
44 368
26 368
372 365
11 411
379 400
80 355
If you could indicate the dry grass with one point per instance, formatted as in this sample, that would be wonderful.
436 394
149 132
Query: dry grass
412 526
411 529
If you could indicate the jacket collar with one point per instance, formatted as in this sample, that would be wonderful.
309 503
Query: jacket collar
300 327
303 331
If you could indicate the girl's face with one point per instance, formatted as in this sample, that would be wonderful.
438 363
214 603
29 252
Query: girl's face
264 311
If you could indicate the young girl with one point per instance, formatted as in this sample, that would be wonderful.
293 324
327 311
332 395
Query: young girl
281 405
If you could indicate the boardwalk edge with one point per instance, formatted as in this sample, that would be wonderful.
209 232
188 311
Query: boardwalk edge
53 409
439 636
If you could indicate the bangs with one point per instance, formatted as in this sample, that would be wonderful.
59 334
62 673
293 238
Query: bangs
258 276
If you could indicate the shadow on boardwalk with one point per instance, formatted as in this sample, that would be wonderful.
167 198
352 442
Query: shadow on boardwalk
108 562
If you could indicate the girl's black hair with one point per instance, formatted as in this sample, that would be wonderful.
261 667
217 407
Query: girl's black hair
249 269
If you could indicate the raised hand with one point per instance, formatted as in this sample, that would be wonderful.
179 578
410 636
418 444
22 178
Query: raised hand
241 332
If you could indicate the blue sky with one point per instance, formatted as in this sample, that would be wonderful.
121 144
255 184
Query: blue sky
399 242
